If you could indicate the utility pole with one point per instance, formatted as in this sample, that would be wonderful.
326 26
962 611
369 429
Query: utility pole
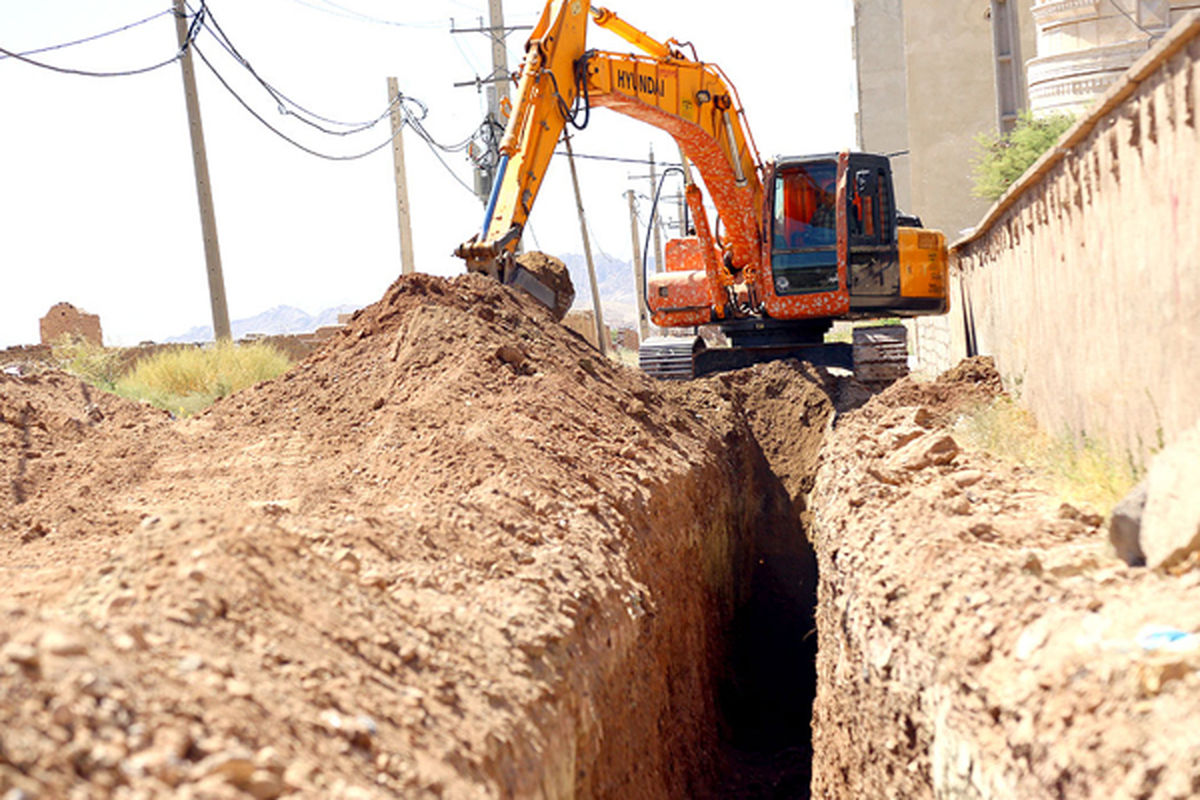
498 89
587 249
407 265
658 245
208 219
639 272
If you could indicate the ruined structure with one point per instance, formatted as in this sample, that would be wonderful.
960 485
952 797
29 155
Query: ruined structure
66 321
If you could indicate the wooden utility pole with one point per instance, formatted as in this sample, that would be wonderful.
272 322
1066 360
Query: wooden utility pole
587 249
208 219
639 272
407 265
658 245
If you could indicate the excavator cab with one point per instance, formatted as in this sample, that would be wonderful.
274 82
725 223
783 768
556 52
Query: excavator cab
860 259
804 255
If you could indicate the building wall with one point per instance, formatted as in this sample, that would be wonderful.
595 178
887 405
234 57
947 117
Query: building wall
65 321
1082 281
927 87
1083 46
883 88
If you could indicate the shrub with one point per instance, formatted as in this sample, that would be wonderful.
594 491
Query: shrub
189 379
92 363
1001 159
1075 468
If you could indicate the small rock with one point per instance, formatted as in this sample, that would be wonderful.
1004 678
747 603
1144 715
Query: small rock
884 475
1170 530
1125 527
510 354
960 505
299 774
236 767
60 642
265 785
190 663
93 412
18 653
929 450
966 477
237 688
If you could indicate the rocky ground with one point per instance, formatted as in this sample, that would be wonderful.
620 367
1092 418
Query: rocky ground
455 553
979 637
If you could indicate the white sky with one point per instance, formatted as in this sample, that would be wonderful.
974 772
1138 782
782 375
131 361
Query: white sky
97 194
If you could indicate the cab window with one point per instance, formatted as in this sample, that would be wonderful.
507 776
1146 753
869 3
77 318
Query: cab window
805 203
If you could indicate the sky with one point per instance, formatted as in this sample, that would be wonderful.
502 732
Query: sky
98 202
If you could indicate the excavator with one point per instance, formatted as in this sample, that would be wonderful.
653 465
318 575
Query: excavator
802 241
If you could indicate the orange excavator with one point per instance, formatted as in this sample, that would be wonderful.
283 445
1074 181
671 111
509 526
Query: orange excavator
806 240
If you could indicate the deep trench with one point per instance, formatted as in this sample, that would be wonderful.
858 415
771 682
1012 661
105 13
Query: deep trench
769 684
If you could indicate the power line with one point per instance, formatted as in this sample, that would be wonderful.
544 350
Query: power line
220 78
620 160
193 31
343 12
283 101
92 38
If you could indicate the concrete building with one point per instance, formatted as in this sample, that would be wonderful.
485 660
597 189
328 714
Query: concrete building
1083 46
932 75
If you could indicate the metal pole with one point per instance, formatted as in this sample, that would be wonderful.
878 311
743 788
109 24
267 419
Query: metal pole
208 219
407 265
587 250
639 273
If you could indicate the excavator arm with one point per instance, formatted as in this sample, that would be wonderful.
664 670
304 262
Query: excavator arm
561 81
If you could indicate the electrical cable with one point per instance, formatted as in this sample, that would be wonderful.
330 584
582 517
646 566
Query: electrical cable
221 79
620 160
193 31
342 12
283 101
93 38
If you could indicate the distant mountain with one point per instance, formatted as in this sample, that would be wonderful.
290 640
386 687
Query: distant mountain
614 279
278 320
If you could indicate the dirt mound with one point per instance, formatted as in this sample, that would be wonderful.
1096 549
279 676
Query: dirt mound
60 441
453 553
977 635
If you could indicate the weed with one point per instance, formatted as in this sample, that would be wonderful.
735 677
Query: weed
1077 468
92 363
187 380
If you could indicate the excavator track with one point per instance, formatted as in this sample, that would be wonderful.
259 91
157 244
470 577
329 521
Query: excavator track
669 357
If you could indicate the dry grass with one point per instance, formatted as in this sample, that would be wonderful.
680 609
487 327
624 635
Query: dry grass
1081 471
189 379
99 366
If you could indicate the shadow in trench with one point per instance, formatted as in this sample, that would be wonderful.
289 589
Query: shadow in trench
768 692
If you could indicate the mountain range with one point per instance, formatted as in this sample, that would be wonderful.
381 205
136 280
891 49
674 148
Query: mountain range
276 321
614 278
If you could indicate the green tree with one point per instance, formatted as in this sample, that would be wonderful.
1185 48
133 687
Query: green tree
1001 159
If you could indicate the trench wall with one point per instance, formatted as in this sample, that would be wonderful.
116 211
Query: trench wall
1082 280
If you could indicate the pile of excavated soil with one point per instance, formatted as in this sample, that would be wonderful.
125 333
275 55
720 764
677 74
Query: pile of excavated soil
978 638
454 553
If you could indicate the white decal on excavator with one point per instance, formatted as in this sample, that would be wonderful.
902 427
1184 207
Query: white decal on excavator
645 84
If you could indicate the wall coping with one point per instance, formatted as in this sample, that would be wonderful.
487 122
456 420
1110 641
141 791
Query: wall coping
1178 37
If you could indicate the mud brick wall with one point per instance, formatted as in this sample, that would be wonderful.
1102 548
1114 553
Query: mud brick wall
1082 283
66 321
